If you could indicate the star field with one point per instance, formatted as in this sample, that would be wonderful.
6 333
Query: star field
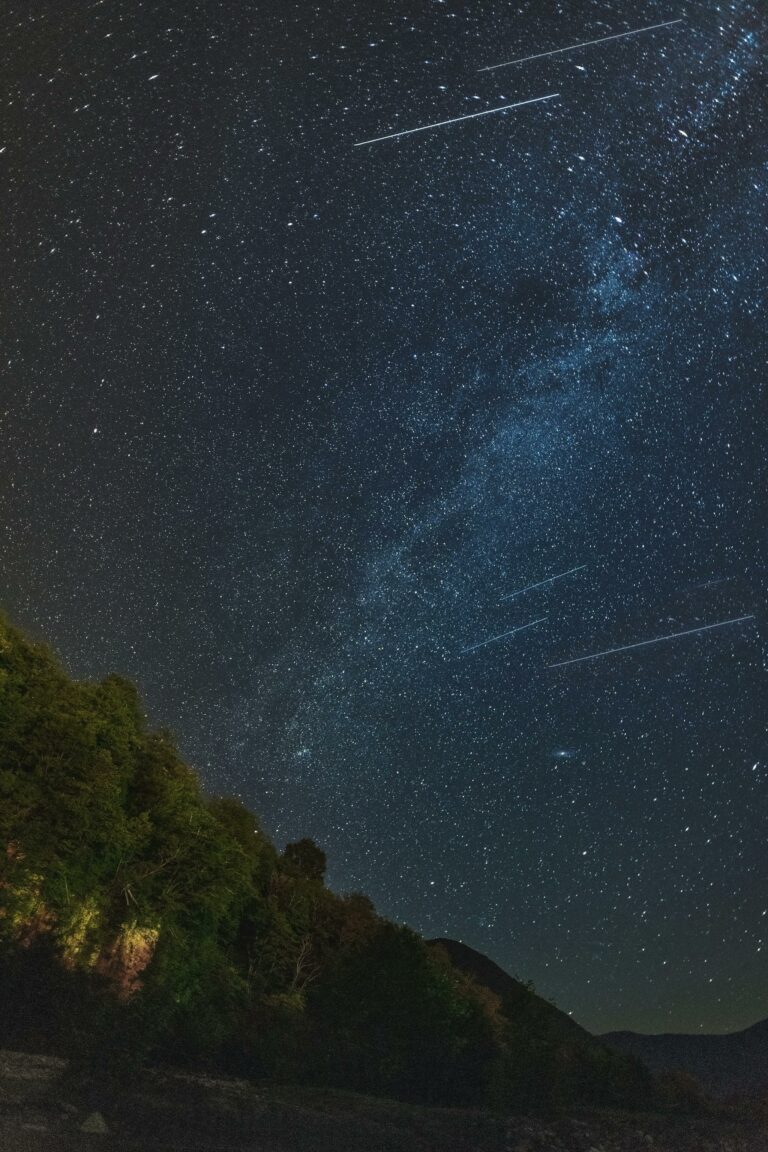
285 422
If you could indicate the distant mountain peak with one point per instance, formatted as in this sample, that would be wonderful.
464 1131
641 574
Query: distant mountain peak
730 1062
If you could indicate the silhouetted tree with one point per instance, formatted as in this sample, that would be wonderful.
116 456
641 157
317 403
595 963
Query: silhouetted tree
304 858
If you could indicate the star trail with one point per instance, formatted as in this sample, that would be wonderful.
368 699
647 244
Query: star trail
298 434
583 44
457 119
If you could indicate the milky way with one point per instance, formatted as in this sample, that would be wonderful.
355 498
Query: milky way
284 421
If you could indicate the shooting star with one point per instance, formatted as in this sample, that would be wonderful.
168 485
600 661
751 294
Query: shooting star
655 640
541 583
493 639
455 120
583 44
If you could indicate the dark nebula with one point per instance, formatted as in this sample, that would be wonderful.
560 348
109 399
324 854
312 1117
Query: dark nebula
283 421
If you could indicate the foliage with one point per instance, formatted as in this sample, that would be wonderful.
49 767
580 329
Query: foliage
393 1017
140 919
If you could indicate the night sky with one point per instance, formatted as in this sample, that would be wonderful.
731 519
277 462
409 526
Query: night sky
283 421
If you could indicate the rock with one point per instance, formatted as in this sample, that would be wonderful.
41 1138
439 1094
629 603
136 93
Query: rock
95 1124
23 1066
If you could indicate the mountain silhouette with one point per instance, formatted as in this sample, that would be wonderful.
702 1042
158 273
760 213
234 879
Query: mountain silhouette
735 1062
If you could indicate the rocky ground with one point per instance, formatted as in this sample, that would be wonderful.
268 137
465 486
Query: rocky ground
44 1107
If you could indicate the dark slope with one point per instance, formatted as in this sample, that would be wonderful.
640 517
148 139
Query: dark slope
549 1045
736 1062
517 999
141 919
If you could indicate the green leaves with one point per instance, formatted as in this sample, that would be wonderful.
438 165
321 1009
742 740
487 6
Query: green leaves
116 869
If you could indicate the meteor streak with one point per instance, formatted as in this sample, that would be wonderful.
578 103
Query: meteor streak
540 583
493 639
455 120
583 44
655 640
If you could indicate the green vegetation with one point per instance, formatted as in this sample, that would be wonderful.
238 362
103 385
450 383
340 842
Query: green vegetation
141 920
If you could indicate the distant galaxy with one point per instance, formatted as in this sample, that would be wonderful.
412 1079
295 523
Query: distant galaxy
306 437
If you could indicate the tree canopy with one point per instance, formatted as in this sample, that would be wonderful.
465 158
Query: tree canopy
139 914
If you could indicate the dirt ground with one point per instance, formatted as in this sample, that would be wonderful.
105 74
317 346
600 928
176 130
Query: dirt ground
44 1108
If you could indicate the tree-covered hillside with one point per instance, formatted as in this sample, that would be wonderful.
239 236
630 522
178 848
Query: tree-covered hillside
142 920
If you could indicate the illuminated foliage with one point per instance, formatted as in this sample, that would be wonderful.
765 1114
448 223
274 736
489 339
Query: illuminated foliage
172 914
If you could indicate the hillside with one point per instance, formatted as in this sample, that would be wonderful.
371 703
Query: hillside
143 921
518 999
733 1063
